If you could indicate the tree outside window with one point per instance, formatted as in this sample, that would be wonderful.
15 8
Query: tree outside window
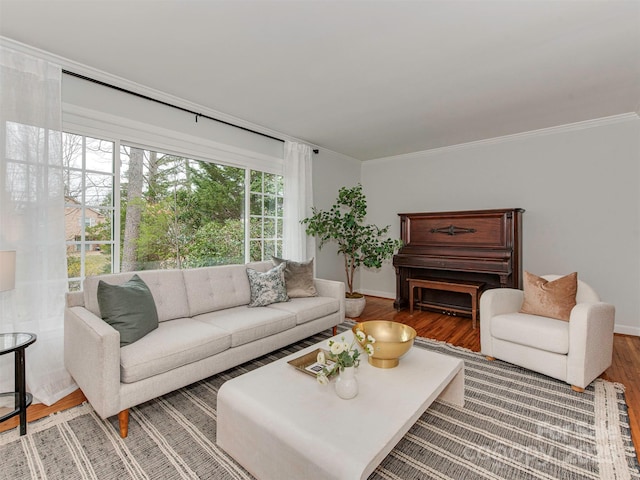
170 211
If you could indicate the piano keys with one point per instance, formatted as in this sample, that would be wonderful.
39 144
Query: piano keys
474 245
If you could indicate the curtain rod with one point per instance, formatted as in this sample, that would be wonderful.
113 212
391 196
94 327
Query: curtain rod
139 95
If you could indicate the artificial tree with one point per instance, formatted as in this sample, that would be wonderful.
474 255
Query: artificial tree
360 244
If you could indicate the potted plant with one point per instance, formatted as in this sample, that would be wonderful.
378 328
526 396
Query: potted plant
360 244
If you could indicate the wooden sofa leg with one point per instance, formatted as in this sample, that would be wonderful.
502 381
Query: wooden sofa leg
123 418
577 389
491 359
335 330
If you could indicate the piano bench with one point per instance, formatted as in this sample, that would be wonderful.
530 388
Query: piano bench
461 286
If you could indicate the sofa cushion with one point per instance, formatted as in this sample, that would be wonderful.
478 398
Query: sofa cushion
550 298
298 277
166 286
267 287
216 288
308 309
129 308
541 333
173 344
246 324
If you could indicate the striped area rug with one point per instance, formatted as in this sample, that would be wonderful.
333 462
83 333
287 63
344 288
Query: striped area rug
515 425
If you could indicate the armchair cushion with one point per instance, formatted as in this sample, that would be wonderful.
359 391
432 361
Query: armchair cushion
550 298
541 333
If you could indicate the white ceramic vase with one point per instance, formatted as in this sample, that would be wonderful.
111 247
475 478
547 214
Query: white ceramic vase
347 383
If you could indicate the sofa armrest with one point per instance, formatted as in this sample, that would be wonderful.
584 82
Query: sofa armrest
74 299
591 328
332 288
496 301
92 357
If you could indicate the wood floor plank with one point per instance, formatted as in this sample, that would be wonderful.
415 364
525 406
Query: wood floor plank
39 410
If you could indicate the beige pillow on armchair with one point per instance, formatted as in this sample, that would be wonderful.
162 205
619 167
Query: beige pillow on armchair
554 299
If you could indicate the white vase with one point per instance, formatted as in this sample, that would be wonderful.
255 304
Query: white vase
347 383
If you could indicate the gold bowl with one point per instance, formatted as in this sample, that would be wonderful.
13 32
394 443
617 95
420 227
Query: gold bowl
393 340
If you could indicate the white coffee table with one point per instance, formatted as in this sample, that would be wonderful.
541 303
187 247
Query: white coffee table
279 423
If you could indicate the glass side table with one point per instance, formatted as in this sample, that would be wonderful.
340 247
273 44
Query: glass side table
16 403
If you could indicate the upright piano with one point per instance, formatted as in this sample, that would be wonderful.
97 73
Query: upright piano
476 245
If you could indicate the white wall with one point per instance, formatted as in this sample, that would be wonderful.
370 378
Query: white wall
330 172
579 185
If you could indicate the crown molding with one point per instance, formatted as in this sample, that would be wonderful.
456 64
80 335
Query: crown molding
570 127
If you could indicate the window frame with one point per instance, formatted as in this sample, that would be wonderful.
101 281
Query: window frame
85 123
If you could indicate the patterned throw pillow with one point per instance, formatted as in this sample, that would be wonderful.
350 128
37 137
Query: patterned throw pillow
268 287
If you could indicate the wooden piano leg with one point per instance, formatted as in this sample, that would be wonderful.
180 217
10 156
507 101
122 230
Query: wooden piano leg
474 308
410 298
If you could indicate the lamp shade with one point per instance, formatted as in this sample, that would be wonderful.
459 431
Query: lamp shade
7 270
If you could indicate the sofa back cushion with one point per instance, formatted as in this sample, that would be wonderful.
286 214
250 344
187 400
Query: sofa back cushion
215 288
166 286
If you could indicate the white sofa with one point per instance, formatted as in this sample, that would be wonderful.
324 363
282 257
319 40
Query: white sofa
205 327
576 352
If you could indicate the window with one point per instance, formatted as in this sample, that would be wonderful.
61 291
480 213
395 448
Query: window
173 211
89 206
179 212
266 216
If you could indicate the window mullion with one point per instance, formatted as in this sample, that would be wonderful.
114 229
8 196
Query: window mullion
115 223
83 192
247 215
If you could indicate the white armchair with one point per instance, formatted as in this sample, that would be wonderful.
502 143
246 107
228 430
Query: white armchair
576 352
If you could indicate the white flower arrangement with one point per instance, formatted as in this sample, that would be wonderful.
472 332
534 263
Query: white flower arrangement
344 354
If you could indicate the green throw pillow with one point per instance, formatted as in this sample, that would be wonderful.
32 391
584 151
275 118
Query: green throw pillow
298 276
129 308
267 287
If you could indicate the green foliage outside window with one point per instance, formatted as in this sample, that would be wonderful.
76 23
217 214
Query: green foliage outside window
174 212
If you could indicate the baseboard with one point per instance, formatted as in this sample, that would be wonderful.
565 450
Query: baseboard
627 330
375 293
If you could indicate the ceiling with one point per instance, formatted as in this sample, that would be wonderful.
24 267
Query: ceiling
367 79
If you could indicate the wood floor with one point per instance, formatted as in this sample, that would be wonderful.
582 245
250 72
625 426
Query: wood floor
457 331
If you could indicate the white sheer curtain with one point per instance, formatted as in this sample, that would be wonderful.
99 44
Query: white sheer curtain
32 220
298 199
